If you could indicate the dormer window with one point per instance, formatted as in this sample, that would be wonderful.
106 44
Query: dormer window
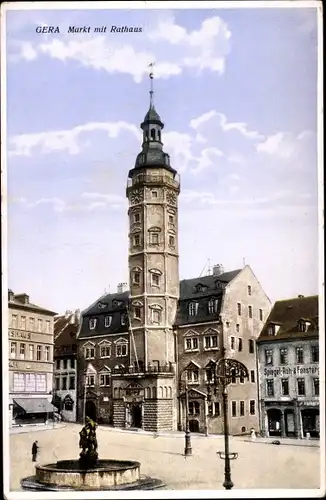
89 351
303 325
92 323
107 321
271 330
193 308
212 306
123 319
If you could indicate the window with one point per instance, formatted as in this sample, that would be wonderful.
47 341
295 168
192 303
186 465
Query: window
242 379
72 383
19 382
239 309
268 357
252 407
121 350
261 314
123 319
270 387
154 238
58 361
72 363
90 380
191 344
193 375
240 344
105 379
250 311
210 409
252 376
283 356
301 387
232 340
237 328
105 351
39 325
154 193
217 410
299 355
137 217
64 383
107 321
315 354
14 321
315 386
22 351
242 408
251 346
212 306
137 240
155 279
23 322
285 386
233 378
271 330
47 353
92 323
193 308
233 408
303 326
47 327
249 290
68 404
211 342
171 241
31 351
65 364
40 382
30 382
194 408
57 383
13 349
171 219
156 316
32 324
89 353
137 312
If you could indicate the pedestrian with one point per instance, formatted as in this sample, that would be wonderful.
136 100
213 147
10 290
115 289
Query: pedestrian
35 449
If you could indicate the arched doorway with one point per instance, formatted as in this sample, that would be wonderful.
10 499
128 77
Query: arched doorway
274 422
136 416
310 422
193 425
90 410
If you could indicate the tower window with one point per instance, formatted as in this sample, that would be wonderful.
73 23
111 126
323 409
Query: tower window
137 312
136 240
136 277
171 219
154 239
156 316
155 279
137 217
171 241
159 135
153 134
154 194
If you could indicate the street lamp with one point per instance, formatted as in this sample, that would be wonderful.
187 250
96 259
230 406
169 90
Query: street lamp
221 374
188 448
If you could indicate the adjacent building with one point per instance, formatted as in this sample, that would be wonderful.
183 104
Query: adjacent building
288 352
222 312
30 331
65 364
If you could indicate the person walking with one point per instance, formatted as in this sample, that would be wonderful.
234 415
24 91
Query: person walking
35 449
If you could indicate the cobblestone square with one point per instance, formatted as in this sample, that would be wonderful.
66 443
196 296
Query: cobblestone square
259 464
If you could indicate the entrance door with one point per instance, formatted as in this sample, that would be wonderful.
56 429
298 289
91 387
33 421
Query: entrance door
136 416
310 422
274 422
90 410
194 426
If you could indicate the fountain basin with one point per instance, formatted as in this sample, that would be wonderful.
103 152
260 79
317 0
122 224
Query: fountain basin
106 475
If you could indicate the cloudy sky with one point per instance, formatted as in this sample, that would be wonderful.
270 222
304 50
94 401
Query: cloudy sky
236 89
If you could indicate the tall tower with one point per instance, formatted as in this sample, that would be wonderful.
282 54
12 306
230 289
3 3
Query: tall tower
152 190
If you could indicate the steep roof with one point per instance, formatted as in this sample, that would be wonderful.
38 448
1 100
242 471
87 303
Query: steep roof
287 314
14 302
65 334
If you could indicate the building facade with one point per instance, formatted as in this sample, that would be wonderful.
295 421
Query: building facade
30 331
222 312
288 352
65 364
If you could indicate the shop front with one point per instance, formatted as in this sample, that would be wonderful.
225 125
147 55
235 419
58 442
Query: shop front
280 419
310 419
32 410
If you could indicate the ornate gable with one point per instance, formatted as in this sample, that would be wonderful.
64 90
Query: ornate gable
191 333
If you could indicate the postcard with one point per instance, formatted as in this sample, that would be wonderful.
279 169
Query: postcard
162 228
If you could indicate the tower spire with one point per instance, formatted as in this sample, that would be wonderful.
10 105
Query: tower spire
151 92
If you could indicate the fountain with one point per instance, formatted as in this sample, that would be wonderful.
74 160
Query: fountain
89 472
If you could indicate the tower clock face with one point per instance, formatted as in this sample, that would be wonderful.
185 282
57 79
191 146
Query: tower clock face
136 196
171 198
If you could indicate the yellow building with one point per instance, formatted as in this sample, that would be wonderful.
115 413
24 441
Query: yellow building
30 360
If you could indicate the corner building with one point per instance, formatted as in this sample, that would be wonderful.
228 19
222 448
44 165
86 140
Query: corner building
146 398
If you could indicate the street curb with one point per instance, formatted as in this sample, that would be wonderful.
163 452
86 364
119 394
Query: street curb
178 434
283 444
26 429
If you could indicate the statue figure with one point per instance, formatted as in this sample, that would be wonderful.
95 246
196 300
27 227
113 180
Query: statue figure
88 444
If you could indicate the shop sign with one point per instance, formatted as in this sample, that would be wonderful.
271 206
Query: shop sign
309 403
16 334
13 364
281 371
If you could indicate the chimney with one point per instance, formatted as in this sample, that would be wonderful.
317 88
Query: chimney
10 295
67 313
218 269
122 287
300 296
76 317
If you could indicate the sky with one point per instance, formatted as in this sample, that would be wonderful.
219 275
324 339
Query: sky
237 92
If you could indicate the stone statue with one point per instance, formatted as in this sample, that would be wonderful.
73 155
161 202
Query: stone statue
88 444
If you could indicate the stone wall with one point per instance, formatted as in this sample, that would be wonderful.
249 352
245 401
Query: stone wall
119 413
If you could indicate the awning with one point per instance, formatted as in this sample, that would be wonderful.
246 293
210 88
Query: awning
37 405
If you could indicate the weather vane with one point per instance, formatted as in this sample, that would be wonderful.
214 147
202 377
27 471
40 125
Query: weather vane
151 76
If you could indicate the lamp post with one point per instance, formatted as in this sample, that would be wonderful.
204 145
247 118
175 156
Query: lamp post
220 375
188 448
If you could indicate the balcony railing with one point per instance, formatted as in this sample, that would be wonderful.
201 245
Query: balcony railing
141 369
